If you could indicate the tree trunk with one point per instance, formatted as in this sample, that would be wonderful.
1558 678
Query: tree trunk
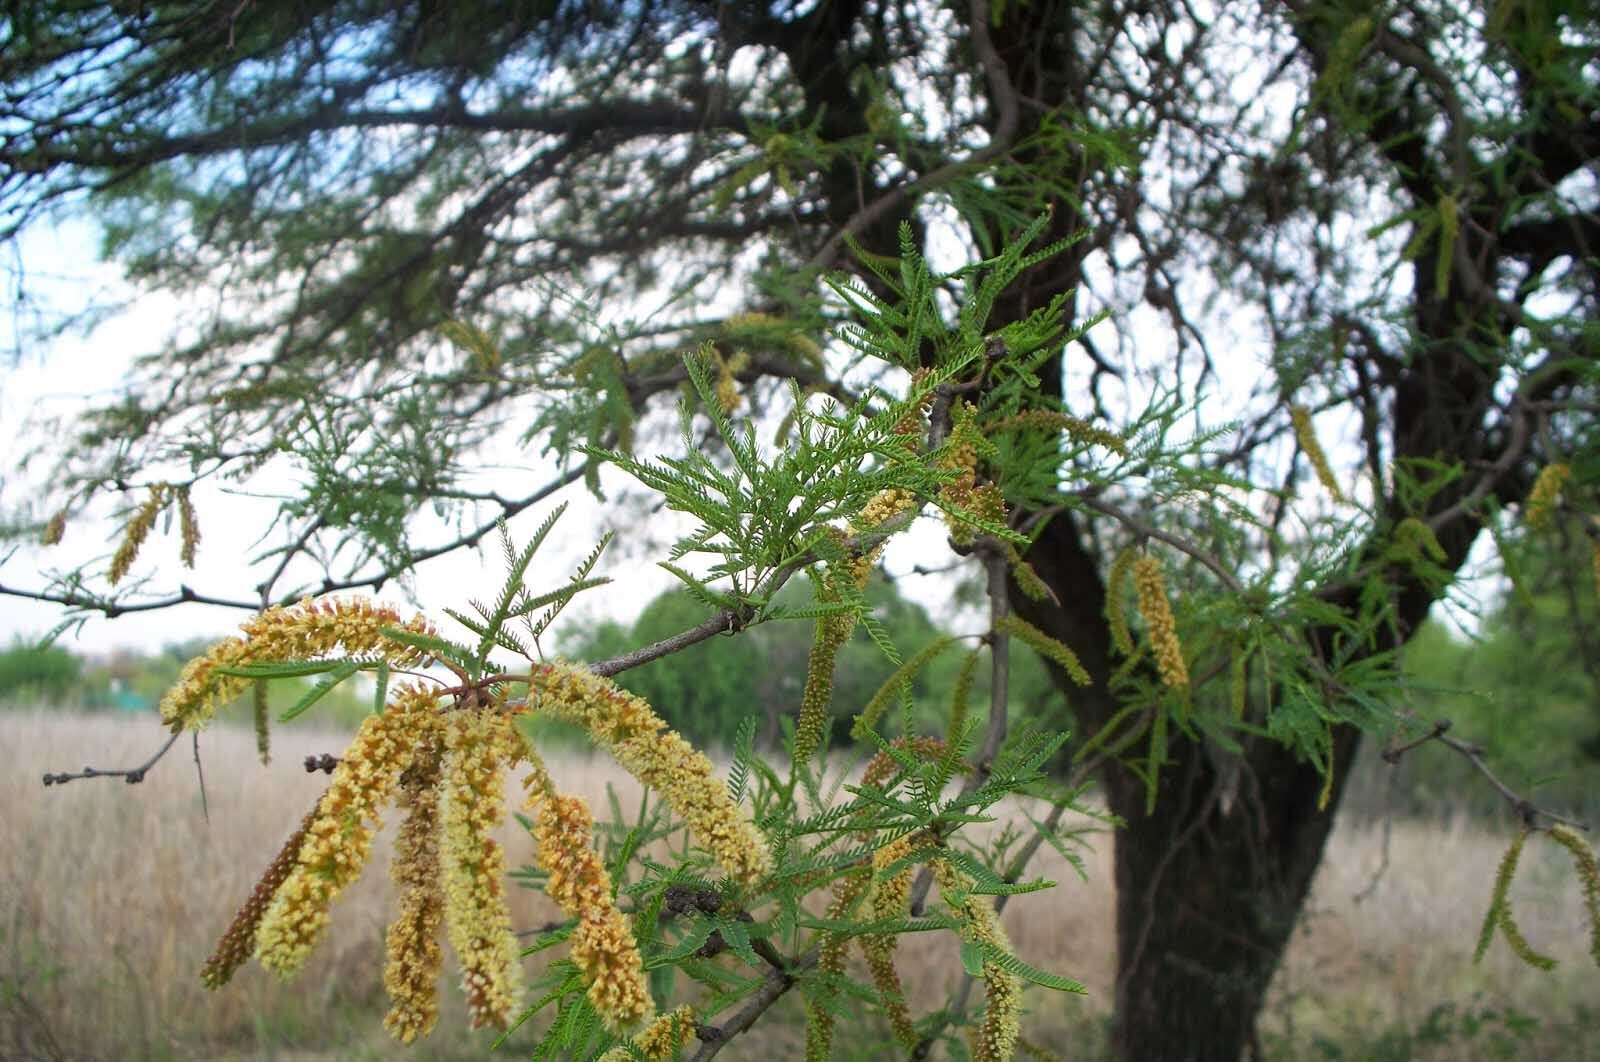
1209 890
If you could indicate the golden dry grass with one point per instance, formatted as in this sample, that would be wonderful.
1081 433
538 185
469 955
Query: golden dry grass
111 897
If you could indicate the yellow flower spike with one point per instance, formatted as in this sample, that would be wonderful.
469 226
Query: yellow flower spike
641 742
883 766
414 957
1076 428
1116 611
660 1040
259 709
602 946
55 529
885 506
188 527
136 532
1541 503
307 631
1588 870
1046 646
830 962
478 747
339 838
831 633
1160 625
238 943
1306 434
997 1035
888 900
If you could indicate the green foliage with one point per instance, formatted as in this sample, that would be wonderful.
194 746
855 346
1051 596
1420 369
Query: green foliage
39 674
1521 686
708 691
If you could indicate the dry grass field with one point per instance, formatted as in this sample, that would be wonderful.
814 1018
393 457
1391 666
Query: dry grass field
111 897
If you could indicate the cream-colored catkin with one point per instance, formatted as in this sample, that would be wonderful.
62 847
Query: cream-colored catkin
603 947
340 836
414 957
997 1034
261 711
188 527
888 900
1160 626
479 746
660 1040
1116 610
1306 434
624 725
831 954
1546 493
309 630
55 529
817 695
1588 871
1076 428
137 530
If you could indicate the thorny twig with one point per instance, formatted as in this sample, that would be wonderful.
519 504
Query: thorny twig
1525 809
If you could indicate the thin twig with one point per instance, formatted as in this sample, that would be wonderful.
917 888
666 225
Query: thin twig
1526 809
132 775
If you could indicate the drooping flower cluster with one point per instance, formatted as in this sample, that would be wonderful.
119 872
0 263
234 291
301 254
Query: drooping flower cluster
1306 434
642 743
238 942
997 1035
831 633
478 748
337 843
1546 492
448 771
1588 871
54 529
831 953
446 764
1160 625
1076 428
188 527
660 1040
1050 648
138 529
888 900
603 947
964 492
1116 611
306 631
414 957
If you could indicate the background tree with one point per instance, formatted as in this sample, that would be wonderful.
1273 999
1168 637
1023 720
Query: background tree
708 690
1395 200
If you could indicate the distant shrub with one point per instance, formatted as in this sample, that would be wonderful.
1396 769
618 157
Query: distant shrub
30 672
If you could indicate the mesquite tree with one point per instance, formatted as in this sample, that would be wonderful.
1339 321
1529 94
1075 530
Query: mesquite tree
421 228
